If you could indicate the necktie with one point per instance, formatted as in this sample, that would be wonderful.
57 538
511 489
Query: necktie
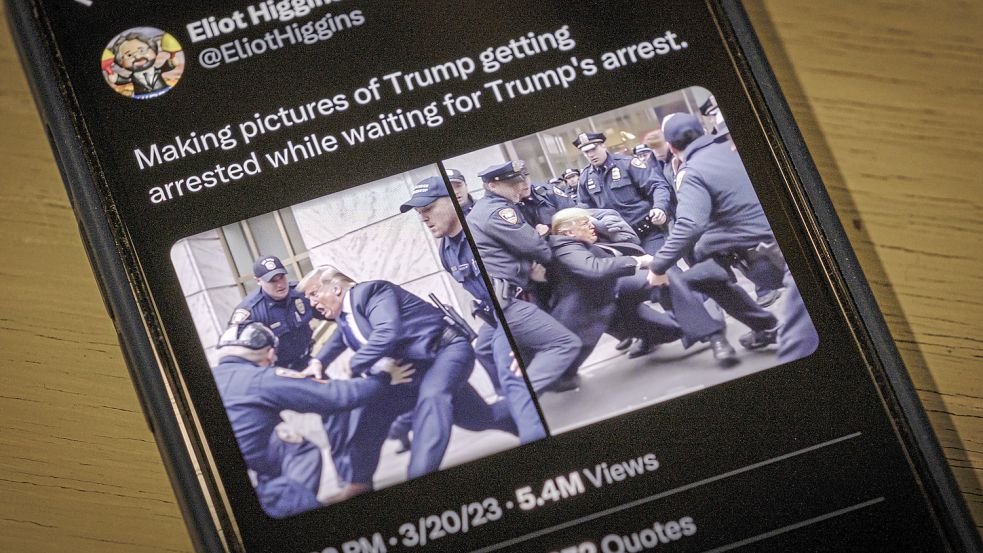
346 332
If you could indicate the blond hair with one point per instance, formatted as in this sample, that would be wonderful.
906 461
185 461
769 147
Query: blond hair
310 278
567 219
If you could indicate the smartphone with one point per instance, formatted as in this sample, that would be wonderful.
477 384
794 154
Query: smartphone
483 277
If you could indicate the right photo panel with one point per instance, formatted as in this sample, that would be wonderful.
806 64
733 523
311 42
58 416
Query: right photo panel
631 258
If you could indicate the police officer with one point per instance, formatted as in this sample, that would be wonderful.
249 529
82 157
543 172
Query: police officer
640 194
662 157
281 307
537 206
255 391
460 186
431 202
721 224
643 153
514 253
563 196
378 319
571 177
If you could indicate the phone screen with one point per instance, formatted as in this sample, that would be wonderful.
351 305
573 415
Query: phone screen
483 276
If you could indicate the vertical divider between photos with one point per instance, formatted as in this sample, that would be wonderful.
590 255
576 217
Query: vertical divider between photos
499 310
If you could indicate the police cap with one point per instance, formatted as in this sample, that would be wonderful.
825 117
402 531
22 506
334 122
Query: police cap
268 267
506 171
586 141
641 149
424 193
676 124
248 335
455 175
571 172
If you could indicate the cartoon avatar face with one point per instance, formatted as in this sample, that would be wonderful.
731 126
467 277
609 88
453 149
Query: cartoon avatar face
136 55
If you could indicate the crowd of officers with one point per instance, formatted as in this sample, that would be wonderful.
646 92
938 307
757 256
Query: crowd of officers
591 253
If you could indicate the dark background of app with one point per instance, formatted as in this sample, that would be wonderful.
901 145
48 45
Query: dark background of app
787 399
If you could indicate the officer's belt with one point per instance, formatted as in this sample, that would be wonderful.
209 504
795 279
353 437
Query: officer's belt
505 291
743 259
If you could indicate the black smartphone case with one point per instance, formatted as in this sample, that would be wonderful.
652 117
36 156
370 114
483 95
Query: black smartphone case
107 249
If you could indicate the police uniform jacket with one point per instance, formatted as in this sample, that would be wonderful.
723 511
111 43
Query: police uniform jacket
289 318
585 281
395 324
564 196
627 185
506 244
539 207
458 260
254 396
718 210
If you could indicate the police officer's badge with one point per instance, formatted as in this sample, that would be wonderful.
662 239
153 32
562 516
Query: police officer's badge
509 215
616 173
299 304
635 162
240 316
679 179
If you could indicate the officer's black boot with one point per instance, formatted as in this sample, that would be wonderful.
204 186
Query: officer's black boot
757 339
723 352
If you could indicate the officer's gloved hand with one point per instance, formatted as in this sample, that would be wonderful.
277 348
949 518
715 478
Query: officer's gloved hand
398 374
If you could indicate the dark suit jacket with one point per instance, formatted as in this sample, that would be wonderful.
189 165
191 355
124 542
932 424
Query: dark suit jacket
585 282
395 324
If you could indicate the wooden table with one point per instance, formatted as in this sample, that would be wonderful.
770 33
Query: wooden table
887 93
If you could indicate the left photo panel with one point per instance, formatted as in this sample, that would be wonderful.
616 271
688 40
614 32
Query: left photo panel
353 342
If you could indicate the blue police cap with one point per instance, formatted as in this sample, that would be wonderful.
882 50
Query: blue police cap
641 149
569 173
454 174
248 335
268 267
424 193
588 140
505 171
676 124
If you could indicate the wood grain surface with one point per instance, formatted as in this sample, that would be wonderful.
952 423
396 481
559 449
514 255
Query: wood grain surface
887 94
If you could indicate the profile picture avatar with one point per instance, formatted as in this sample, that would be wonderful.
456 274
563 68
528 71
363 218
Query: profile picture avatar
143 62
